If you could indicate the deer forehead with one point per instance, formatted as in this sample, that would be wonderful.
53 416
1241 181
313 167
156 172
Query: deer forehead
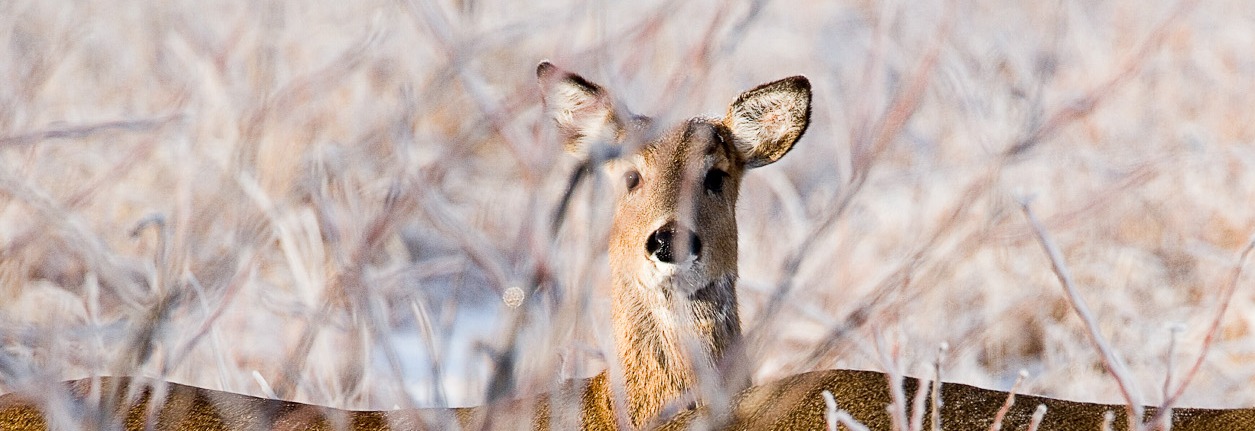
688 149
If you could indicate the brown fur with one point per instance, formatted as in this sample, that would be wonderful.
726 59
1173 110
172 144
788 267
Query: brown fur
675 324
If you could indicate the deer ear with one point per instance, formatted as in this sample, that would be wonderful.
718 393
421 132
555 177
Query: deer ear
583 110
767 120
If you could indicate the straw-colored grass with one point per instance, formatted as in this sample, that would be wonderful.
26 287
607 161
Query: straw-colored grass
333 197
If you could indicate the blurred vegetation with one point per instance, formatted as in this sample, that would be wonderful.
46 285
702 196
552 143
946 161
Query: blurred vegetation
333 197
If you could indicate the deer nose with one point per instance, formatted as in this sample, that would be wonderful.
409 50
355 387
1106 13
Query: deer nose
663 242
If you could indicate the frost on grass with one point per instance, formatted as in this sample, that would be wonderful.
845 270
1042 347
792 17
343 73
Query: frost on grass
348 191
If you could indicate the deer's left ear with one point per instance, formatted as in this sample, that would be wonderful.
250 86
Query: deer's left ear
767 120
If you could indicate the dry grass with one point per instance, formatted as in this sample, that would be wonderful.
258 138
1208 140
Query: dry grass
336 197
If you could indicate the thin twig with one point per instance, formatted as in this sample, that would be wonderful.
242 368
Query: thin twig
895 285
1108 418
906 102
87 130
1006 406
937 401
433 206
889 360
1086 104
1172 350
891 124
1038 415
831 412
1111 362
1226 297
1165 419
835 416
245 267
922 389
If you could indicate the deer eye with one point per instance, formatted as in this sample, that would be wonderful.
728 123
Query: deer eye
632 179
714 181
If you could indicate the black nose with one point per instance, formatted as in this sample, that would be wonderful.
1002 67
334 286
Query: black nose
663 242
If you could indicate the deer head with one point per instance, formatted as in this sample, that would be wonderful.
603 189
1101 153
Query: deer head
673 243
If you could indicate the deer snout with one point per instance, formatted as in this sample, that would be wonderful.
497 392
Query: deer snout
672 243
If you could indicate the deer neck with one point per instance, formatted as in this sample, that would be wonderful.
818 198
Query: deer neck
670 337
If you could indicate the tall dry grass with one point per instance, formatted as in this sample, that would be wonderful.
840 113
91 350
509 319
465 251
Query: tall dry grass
332 199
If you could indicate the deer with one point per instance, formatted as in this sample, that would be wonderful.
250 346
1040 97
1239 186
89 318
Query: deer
680 355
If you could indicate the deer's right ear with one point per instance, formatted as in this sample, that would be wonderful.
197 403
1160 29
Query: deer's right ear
583 110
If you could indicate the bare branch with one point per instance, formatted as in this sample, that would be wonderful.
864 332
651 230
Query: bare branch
1226 297
891 362
1006 406
1086 104
922 389
842 417
87 130
1111 362
1038 415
